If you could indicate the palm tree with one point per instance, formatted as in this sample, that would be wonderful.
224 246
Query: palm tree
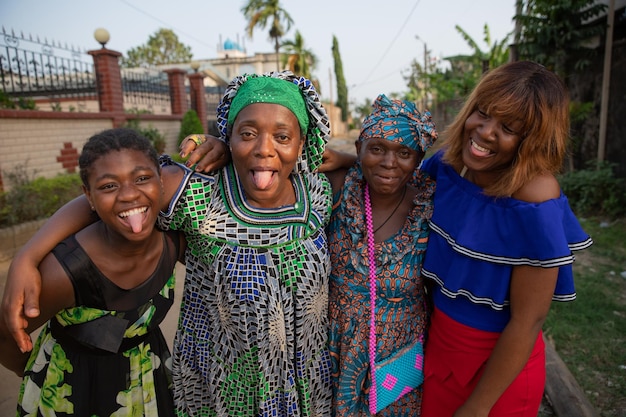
260 12
299 59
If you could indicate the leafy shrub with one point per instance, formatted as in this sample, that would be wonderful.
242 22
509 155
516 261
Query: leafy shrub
7 102
37 199
150 132
595 191
190 125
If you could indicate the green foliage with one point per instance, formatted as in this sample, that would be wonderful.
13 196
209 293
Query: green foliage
480 61
342 89
7 102
589 334
162 48
300 60
190 125
555 33
595 191
150 132
33 199
363 110
579 112
428 82
472 67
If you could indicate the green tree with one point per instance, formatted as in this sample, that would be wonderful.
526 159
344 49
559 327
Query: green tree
555 33
260 12
162 48
479 61
190 125
342 89
452 84
363 110
298 58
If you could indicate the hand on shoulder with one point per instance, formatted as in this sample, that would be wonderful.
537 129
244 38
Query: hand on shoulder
542 188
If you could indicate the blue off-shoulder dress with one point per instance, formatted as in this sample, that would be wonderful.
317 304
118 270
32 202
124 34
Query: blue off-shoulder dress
476 240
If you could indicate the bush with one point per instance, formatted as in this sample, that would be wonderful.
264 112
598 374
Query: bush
150 132
190 125
595 191
7 102
37 199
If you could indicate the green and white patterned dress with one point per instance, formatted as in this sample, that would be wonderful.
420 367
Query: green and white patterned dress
252 335
106 356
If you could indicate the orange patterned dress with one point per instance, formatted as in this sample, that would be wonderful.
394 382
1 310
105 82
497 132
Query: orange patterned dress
401 307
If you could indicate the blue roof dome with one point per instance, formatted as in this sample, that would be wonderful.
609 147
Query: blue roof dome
230 45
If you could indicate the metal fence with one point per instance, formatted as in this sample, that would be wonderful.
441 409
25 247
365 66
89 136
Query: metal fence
146 89
42 74
42 71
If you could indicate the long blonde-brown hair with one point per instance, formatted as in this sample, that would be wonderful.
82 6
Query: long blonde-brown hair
529 93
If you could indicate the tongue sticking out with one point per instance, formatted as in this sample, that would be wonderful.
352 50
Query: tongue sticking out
262 179
136 221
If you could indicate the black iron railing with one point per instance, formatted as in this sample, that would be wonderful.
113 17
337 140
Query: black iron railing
146 89
50 74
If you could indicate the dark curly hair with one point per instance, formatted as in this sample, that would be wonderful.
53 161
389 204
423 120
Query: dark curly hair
109 140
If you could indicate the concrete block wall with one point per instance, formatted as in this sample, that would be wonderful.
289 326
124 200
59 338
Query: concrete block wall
49 143
40 145
13 238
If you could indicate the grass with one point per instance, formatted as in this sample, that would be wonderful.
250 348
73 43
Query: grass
589 334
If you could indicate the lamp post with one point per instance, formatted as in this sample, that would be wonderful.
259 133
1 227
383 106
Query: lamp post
195 65
102 36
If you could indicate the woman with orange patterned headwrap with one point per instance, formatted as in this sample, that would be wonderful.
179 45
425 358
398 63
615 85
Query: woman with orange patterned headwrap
377 238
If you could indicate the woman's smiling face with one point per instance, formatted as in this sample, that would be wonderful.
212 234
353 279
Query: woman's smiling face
126 191
491 145
265 144
387 166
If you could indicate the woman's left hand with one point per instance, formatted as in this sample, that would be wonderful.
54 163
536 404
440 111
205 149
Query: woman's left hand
211 155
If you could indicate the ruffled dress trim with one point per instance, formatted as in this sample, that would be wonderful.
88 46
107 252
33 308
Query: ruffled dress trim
476 241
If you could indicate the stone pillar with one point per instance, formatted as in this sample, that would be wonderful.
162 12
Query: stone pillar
198 102
108 80
178 95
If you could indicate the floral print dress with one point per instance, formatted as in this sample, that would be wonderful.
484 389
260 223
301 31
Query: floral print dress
106 356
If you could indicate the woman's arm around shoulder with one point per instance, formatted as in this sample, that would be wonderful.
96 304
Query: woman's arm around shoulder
57 293
23 285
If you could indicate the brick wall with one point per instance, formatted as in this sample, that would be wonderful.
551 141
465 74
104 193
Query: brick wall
48 142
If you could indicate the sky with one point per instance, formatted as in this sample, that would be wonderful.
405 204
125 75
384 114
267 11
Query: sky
378 40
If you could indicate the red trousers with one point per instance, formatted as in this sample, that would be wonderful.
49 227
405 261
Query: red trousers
454 360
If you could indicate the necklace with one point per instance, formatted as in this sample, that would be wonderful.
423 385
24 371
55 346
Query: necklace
394 210
372 278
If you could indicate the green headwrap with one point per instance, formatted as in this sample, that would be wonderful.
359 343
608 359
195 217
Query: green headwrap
274 91
312 117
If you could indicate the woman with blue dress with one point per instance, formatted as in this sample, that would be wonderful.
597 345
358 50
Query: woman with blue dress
500 248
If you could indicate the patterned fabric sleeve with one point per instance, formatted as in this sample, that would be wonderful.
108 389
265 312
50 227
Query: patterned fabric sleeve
183 213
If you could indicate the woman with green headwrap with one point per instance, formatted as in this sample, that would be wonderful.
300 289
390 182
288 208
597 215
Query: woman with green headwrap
377 296
387 182
253 328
